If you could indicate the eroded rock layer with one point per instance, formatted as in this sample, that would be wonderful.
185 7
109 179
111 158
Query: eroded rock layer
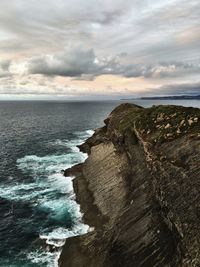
139 189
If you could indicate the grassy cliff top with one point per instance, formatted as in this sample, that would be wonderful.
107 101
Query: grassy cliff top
158 123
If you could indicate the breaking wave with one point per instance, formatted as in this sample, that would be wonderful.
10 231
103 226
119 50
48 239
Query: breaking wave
49 193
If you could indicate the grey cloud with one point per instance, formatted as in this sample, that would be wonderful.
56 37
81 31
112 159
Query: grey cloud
176 89
187 88
170 69
4 74
5 64
27 24
85 64
146 30
72 63
160 70
4 68
154 39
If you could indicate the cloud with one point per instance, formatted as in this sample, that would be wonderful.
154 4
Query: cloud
154 40
84 64
4 68
170 69
29 26
145 30
5 64
176 89
72 62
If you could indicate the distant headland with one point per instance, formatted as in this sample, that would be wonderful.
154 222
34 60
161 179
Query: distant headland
172 97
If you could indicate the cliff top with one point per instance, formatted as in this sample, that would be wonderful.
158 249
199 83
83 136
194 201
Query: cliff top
158 123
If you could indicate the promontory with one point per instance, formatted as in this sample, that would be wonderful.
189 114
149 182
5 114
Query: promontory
139 190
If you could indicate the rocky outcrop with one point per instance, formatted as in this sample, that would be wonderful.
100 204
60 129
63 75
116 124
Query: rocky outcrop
139 189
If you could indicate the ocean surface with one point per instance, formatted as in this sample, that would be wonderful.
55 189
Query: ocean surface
37 203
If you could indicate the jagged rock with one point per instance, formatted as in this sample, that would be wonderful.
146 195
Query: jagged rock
182 122
160 117
167 126
169 135
190 122
142 197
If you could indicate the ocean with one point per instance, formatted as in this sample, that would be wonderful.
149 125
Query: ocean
38 139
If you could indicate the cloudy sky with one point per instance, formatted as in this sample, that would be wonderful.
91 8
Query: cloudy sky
99 48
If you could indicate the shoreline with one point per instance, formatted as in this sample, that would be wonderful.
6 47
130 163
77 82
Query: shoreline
50 242
94 214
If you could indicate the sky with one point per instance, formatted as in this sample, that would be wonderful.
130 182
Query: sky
107 49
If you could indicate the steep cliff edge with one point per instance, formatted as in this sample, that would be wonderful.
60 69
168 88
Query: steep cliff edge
139 189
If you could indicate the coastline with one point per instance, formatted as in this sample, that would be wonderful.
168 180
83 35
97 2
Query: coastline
53 242
95 213
122 195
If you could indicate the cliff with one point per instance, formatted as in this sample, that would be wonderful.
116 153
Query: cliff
139 189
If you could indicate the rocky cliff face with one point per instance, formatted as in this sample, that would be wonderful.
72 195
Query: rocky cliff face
139 189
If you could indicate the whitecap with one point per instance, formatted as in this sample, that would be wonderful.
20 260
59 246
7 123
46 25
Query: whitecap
58 236
50 259
49 190
90 132
80 137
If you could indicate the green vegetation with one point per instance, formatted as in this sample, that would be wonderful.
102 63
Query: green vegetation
162 123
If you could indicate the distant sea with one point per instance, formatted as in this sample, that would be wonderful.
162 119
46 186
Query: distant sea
37 140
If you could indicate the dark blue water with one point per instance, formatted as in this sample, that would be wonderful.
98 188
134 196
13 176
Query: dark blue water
37 141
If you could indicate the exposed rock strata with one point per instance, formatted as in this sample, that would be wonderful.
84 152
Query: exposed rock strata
140 189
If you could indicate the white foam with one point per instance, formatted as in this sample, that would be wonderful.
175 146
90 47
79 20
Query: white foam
81 136
58 236
22 191
50 259
90 132
61 183
48 181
